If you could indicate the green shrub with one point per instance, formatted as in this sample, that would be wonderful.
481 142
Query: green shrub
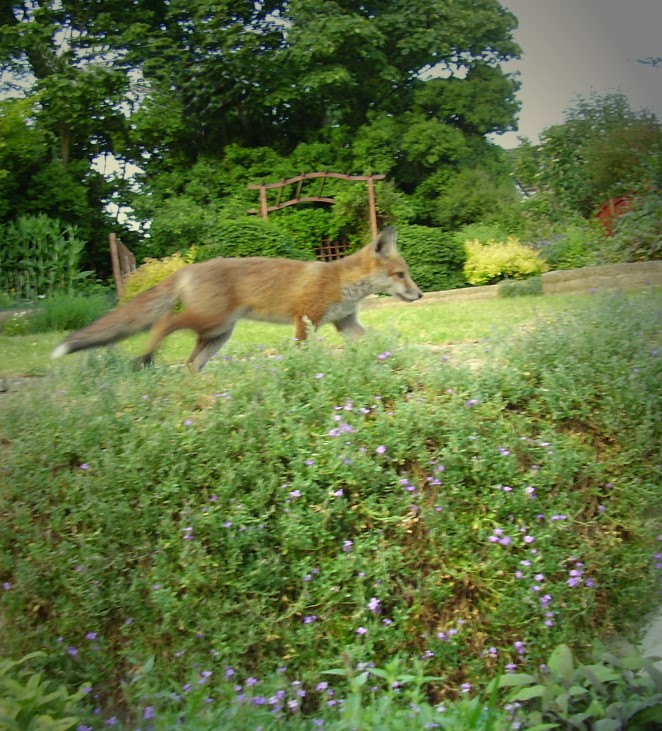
610 693
153 271
177 224
61 312
435 258
251 237
30 703
491 262
17 324
39 256
377 500
638 233
572 246
520 288
309 227
486 233
68 312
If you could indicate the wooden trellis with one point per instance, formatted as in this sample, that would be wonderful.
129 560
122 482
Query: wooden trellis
266 209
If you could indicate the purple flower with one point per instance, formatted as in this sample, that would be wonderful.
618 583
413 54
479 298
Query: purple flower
112 721
386 354
251 682
466 687
319 376
471 402
91 636
374 605
84 466
73 651
309 619
149 712
361 631
295 493
381 449
338 493
347 546
6 585
187 422
529 539
229 672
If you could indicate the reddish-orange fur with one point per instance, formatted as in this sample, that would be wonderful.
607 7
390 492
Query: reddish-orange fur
215 294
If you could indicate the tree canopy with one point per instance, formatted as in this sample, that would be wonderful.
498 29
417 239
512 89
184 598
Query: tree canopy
410 88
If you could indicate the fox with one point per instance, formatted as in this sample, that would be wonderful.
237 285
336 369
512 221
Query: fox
210 297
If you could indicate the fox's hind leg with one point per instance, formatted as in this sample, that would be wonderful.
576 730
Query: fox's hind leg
205 348
161 329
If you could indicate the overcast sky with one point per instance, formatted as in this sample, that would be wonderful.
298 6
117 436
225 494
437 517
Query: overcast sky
574 47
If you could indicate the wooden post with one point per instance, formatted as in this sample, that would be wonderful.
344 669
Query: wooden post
115 259
372 209
263 202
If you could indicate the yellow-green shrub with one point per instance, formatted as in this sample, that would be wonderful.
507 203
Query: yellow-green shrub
493 261
153 271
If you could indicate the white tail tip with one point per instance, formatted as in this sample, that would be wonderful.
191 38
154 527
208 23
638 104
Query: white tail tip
61 350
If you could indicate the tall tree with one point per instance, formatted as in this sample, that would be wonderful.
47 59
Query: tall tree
408 87
603 149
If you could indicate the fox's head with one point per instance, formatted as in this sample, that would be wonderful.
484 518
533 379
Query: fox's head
391 273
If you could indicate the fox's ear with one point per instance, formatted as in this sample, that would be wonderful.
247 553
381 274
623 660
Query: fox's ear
386 242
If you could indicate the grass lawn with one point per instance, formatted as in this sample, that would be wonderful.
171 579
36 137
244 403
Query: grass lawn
434 323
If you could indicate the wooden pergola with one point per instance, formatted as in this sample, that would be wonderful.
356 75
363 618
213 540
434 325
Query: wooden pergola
266 209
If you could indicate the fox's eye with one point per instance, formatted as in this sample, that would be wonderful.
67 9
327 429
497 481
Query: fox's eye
400 275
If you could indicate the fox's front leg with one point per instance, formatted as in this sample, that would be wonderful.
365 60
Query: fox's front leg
350 326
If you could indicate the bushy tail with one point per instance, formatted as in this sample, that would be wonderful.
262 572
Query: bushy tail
135 316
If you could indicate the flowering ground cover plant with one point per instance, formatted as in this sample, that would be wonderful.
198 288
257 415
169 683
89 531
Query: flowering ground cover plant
210 548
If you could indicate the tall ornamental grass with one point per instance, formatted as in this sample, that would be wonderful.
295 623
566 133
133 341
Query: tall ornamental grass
192 546
39 256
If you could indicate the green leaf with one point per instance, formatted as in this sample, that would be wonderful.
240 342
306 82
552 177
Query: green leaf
644 720
515 680
525 694
561 662
607 724
9 724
